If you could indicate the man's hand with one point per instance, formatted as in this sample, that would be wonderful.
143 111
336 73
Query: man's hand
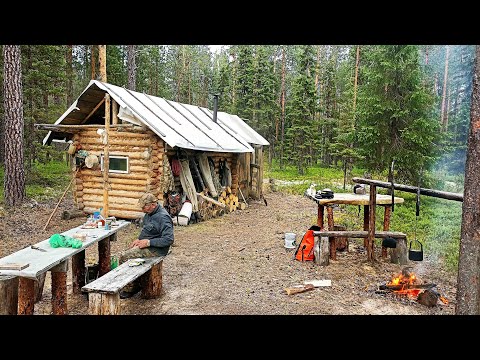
140 243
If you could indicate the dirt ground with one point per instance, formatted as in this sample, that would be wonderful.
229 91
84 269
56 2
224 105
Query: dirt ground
237 265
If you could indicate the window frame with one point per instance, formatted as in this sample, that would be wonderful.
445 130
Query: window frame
115 157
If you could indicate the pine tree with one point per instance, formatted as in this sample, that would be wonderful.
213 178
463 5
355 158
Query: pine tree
393 112
301 110
14 181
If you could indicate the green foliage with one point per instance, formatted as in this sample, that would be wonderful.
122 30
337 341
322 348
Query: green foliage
44 181
394 119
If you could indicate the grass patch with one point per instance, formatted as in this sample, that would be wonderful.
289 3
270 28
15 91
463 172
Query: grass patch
43 181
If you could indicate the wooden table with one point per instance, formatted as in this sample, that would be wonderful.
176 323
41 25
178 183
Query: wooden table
354 199
54 260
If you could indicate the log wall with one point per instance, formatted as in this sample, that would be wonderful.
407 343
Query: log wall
145 151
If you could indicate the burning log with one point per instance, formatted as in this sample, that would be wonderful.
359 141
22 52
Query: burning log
398 287
428 297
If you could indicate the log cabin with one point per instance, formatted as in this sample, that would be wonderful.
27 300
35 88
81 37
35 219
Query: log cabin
138 137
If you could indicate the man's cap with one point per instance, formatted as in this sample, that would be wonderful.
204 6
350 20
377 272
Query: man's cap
147 198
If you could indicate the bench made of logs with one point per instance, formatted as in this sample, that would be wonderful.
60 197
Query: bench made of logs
104 292
322 248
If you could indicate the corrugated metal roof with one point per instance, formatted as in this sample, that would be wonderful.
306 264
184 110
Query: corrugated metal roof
178 124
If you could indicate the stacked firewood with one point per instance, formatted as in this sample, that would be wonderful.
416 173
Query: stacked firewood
230 200
208 207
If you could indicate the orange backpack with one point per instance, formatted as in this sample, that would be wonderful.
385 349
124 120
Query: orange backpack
304 250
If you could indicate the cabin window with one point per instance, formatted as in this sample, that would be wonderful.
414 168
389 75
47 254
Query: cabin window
117 164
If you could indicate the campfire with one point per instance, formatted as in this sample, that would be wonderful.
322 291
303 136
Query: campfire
408 285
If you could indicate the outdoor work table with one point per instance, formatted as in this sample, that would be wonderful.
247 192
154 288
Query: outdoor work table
354 199
55 260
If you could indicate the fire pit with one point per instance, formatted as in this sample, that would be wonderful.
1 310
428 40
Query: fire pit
407 285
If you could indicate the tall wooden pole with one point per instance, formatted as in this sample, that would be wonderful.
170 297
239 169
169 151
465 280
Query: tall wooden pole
102 58
106 161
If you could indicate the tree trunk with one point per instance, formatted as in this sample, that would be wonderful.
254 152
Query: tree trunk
93 63
468 282
14 181
444 95
102 59
283 107
69 72
132 68
357 60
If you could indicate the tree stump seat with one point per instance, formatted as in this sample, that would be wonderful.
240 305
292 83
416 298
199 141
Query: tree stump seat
104 292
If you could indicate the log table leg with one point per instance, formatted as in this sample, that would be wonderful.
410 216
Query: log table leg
59 288
386 226
78 272
104 256
8 295
366 214
371 224
320 212
26 296
331 240
152 282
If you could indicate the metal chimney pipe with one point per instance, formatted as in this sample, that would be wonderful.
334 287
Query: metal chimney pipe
215 107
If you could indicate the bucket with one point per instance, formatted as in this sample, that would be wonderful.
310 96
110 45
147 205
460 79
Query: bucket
186 210
290 240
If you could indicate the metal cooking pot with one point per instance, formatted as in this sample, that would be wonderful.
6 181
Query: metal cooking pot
415 254
389 242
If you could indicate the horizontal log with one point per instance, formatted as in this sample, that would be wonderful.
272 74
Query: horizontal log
114 180
213 201
120 214
112 200
115 134
114 141
116 193
118 187
405 286
411 189
87 175
360 234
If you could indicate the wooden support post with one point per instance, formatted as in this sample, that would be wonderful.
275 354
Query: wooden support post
320 213
26 296
386 225
104 256
331 240
39 286
152 282
399 255
102 58
366 215
106 160
114 112
321 250
78 272
8 295
59 288
103 304
371 224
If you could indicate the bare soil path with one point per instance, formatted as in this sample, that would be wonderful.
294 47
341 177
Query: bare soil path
237 265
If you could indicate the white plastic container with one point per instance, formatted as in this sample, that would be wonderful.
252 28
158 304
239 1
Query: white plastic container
290 240
186 210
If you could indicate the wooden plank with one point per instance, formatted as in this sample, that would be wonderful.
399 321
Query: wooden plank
358 199
361 234
13 266
41 262
122 275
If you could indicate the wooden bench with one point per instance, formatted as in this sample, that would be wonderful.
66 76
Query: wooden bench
398 255
104 292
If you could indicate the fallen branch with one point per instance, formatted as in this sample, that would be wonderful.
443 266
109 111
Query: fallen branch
299 289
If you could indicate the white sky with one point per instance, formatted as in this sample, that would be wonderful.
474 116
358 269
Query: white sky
215 48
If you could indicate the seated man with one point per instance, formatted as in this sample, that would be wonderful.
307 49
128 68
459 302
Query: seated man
155 238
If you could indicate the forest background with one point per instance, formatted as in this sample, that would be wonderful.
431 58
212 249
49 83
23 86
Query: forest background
342 109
